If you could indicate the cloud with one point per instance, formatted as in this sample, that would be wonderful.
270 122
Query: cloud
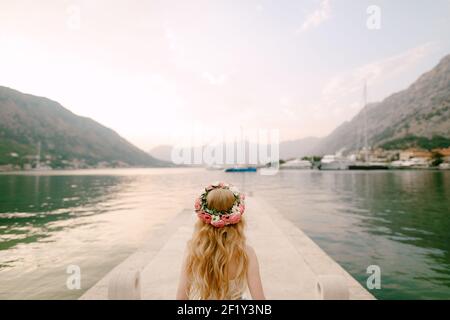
375 73
317 17
177 50
342 95
215 80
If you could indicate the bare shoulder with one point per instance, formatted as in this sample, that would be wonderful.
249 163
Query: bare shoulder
253 275
250 251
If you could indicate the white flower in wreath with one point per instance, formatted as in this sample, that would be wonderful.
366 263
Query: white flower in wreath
215 183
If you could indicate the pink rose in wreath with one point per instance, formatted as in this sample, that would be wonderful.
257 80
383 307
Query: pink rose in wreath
206 218
198 204
235 218
226 218
220 218
218 223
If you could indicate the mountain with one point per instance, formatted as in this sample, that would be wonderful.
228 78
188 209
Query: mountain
297 148
66 139
288 149
162 152
416 117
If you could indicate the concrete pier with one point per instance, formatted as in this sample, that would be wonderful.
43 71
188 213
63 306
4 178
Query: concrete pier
290 262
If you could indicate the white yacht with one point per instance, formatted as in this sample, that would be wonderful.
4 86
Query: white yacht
414 163
296 164
334 162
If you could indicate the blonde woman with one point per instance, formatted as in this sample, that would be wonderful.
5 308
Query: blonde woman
218 263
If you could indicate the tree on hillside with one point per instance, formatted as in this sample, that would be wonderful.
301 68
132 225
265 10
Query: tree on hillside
436 158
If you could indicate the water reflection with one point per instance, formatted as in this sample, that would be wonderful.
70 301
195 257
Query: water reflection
408 214
88 219
398 220
31 204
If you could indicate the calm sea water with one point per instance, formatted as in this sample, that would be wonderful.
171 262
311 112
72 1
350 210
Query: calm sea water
398 220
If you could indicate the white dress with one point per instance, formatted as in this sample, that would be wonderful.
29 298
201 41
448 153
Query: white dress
237 291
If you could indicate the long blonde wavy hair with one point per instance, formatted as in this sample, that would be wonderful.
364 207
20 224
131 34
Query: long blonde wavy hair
211 251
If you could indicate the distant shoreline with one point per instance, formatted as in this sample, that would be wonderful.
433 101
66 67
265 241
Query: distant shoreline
93 171
127 171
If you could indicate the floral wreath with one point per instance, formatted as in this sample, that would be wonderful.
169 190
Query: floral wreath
219 218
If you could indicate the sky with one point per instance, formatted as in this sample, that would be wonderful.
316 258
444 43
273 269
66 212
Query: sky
157 71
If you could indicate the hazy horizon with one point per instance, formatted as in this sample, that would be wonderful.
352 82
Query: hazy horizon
154 71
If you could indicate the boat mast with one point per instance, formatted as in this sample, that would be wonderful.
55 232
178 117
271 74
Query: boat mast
245 155
366 147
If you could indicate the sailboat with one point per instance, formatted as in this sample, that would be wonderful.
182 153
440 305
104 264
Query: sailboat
243 167
366 164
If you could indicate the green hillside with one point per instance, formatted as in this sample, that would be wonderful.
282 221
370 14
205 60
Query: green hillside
66 140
